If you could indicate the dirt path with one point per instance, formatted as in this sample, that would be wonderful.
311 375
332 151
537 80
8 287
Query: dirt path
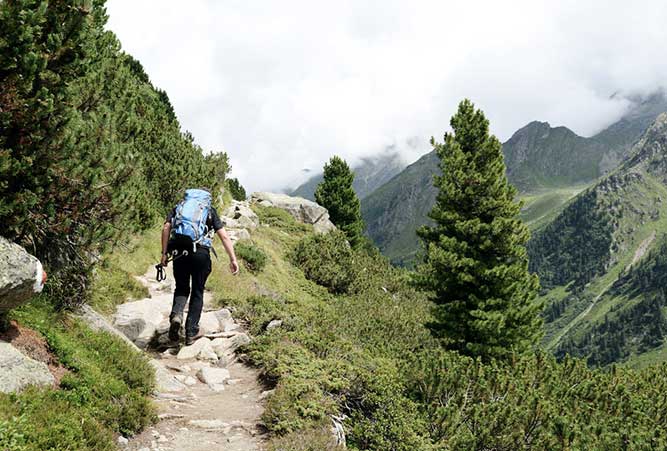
641 250
201 417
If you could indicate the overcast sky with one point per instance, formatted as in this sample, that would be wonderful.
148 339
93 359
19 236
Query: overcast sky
282 85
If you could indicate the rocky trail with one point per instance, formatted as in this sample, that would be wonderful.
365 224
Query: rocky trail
208 399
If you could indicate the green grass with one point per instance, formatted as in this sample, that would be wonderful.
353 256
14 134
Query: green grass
105 393
543 206
114 281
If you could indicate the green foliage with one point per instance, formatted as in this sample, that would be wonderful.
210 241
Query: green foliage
253 257
475 264
89 149
236 189
575 246
533 402
327 260
337 195
105 393
275 217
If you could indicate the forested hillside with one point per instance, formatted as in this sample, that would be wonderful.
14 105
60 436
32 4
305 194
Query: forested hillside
600 287
90 149
91 152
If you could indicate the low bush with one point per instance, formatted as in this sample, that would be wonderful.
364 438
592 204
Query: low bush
253 257
327 260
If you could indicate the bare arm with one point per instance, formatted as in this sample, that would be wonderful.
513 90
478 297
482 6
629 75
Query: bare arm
166 230
229 248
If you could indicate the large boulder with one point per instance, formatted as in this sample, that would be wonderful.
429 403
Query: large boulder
21 275
18 371
139 320
303 210
239 215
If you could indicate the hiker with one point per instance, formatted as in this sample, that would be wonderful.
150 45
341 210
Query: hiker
187 239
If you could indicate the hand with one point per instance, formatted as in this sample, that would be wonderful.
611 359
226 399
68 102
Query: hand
234 267
163 261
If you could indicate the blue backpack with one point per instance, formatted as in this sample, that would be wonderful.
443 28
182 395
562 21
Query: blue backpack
190 219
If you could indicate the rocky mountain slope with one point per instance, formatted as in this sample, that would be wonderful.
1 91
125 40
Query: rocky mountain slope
588 259
548 165
369 174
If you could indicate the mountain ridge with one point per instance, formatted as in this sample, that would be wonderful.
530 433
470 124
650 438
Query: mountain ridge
539 158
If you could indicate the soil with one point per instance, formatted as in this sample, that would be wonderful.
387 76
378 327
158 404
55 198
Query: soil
33 345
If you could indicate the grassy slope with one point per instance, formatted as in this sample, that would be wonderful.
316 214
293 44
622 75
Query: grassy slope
541 207
632 231
104 394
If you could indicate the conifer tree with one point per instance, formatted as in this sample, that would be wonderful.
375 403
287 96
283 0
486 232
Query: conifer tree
336 194
475 262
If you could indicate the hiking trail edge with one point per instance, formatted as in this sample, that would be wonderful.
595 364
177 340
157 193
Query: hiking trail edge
218 403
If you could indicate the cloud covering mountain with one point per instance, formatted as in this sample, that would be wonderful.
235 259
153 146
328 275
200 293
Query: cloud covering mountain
283 85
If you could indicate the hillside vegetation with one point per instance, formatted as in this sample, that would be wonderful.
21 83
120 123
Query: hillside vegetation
353 345
91 152
596 265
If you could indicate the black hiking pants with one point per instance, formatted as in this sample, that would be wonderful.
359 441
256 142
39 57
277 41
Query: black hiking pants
190 274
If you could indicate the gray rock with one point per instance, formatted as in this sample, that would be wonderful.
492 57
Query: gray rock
207 353
238 340
209 424
139 320
214 377
18 371
303 210
164 380
240 216
99 323
192 351
238 234
274 324
122 441
209 323
21 275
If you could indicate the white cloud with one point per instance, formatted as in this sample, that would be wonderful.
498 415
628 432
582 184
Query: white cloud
281 86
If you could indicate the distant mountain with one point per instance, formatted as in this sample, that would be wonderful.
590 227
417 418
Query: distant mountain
542 161
604 298
369 174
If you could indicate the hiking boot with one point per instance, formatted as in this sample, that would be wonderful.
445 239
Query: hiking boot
175 326
190 340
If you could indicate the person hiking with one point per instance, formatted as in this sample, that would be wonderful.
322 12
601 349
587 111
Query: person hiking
187 238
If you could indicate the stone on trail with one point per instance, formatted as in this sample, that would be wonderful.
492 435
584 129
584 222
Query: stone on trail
139 320
238 340
209 424
99 323
214 377
164 380
190 352
209 323
18 371
207 353
21 275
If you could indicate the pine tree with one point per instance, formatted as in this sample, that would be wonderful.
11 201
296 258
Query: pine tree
236 189
475 263
336 194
